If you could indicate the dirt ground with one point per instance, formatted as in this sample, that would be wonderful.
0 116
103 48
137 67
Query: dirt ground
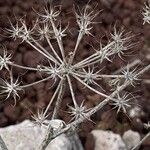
126 13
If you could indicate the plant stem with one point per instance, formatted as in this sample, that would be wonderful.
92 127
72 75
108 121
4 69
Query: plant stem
145 137
52 48
52 99
71 91
59 40
23 67
93 110
59 100
34 83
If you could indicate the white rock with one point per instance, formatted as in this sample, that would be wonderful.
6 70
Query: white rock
27 136
107 140
131 138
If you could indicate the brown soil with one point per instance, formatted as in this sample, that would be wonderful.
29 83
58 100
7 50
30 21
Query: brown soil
125 13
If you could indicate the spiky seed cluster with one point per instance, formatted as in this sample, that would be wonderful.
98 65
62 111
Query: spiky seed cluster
131 76
4 60
146 13
147 125
64 69
85 19
40 118
10 88
79 111
122 42
122 103
49 14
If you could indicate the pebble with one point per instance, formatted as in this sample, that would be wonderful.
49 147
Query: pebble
107 140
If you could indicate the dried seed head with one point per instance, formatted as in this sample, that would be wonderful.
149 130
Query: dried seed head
130 76
44 31
11 88
61 32
49 14
147 125
5 59
40 118
122 102
90 76
146 13
21 31
122 42
15 30
85 19
78 111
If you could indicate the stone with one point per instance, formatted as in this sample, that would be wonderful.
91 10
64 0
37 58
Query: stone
27 136
131 139
107 140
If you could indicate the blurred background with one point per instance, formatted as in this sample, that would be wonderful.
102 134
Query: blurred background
122 13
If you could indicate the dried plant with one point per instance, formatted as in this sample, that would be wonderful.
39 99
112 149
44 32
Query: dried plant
63 69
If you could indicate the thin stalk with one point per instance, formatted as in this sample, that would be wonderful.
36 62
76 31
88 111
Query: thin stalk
22 67
80 36
83 75
91 62
52 99
110 76
52 48
88 59
86 85
134 63
41 47
48 136
44 50
143 70
59 40
94 60
41 52
85 60
58 101
34 83
72 92
145 137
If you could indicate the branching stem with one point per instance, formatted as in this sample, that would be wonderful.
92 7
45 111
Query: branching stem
37 82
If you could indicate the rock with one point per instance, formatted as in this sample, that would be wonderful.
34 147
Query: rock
107 140
27 136
60 143
131 138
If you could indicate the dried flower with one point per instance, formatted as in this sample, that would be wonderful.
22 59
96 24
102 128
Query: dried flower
11 88
78 111
40 118
50 13
5 59
85 19
122 102
122 42
131 76
146 13
147 125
